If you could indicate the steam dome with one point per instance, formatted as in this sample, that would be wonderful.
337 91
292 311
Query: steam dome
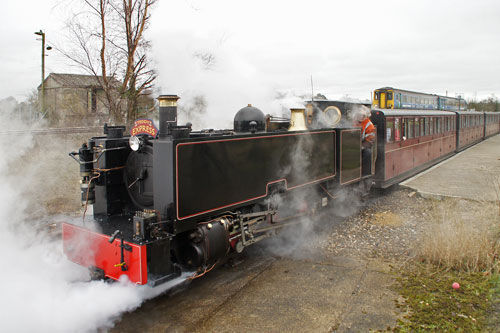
249 119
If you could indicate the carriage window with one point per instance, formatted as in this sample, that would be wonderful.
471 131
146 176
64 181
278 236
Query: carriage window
422 126
389 95
389 128
376 95
411 124
417 127
397 129
439 125
431 126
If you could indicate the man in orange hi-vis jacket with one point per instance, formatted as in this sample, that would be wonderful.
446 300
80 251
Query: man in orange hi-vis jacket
368 132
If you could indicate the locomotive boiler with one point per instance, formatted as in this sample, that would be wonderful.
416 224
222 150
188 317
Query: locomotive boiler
172 200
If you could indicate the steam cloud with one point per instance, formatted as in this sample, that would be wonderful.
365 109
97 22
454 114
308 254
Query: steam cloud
41 289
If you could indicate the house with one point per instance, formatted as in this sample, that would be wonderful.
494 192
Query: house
75 99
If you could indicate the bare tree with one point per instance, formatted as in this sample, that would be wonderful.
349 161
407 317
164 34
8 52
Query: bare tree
138 75
106 39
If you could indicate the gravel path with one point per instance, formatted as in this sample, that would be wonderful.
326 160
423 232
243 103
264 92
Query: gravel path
387 227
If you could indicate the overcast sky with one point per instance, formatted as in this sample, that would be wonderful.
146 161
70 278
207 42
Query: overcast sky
262 47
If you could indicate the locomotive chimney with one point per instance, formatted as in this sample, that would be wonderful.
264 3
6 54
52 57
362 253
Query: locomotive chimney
168 113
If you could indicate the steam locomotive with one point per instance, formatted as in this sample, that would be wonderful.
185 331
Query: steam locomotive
182 200
173 200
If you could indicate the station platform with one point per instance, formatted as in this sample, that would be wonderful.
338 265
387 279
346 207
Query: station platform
472 174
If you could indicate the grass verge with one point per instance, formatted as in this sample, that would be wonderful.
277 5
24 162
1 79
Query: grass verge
459 243
431 304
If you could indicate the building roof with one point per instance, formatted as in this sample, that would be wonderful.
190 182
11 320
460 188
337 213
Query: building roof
78 80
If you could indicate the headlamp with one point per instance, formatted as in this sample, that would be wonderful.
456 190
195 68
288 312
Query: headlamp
135 143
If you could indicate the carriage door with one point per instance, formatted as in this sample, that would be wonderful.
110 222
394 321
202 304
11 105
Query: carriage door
382 100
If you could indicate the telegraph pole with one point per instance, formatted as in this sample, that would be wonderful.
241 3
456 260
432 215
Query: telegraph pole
42 34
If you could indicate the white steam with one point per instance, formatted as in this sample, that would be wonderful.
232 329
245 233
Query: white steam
41 290
300 240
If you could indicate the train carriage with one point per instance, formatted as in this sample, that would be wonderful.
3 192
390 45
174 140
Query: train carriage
410 141
491 123
471 129
399 99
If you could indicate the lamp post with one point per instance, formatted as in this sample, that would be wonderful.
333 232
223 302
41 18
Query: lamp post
42 34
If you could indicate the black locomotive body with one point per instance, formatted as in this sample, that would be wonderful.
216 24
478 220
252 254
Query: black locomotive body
186 200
